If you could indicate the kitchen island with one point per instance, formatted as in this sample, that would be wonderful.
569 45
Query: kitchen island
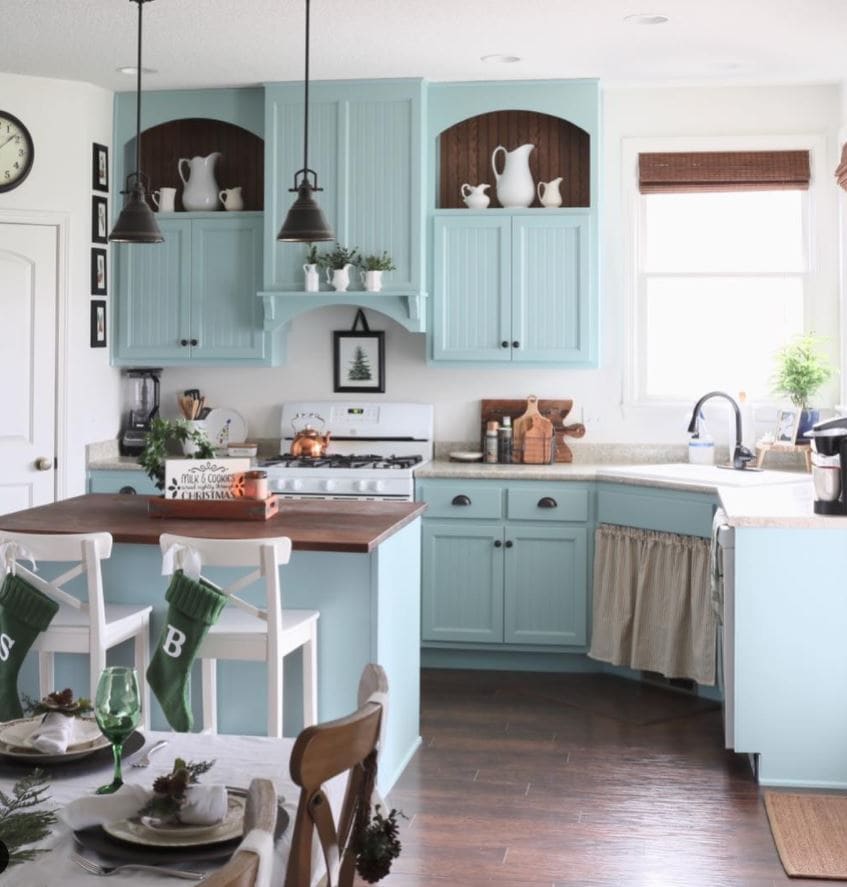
358 563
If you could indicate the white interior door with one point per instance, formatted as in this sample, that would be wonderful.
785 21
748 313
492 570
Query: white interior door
28 304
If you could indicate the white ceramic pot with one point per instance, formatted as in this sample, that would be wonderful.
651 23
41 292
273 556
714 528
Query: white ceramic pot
372 281
189 447
313 279
339 278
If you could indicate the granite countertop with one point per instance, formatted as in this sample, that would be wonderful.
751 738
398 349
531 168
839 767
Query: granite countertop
786 506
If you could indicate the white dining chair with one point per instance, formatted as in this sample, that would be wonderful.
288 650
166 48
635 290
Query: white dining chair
247 632
84 626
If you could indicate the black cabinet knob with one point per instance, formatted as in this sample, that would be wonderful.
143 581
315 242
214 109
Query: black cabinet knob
194 342
504 344
498 543
183 342
461 500
128 491
509 543
516 344
548 502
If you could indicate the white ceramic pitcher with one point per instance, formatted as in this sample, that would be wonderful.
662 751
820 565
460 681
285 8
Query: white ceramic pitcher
231 198
313 279
165 199
514 185
201 190
548 193
475 196
339 278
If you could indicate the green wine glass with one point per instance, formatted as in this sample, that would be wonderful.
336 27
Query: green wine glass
117 708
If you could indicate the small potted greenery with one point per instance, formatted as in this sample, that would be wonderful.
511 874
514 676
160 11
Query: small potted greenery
802 368
165 434
337 264
313 280
371 268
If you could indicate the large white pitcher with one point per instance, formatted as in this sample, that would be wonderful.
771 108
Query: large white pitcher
201 190
514 185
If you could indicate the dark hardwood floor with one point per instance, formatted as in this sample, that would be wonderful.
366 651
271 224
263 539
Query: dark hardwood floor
532 780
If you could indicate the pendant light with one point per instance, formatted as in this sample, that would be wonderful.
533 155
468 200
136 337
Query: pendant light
136 223
305 222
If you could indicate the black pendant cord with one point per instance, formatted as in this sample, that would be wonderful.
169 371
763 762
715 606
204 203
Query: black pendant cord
138 97
306 98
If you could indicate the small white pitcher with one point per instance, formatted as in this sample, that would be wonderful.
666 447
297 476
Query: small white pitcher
313 279
165 200
548 193
231 198
339 278
475 196
371 280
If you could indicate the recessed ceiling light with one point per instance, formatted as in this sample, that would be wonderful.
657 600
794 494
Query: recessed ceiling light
499 59
133 69
646 18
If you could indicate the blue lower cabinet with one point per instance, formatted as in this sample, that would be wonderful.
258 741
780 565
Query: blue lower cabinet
129 482
504 566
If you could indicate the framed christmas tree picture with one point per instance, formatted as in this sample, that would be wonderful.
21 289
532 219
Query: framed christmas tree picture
359 358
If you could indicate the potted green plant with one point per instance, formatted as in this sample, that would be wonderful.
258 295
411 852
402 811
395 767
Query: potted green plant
802 368
164 434
371 268
313 280
337 264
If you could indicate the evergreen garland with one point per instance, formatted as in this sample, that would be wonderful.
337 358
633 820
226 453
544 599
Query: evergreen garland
19 823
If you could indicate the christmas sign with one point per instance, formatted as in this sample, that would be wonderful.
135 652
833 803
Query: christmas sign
205 478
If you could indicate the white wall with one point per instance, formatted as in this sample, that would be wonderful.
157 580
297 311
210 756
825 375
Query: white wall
65 118
598 394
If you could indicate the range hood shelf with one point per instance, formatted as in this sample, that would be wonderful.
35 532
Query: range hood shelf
408 309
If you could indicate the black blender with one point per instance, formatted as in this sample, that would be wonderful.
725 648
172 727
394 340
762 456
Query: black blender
141 406
829 465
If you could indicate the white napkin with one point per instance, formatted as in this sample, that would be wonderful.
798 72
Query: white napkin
262 844
55 733
206 805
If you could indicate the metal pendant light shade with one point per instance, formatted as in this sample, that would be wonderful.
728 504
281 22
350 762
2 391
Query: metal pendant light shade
305 222
136 223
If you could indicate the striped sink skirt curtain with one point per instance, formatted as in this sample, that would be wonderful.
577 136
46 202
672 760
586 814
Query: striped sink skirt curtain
652 605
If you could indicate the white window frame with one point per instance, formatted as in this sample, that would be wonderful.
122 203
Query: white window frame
818 314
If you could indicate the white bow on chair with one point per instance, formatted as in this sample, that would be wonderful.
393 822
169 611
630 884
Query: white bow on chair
12 552
182 557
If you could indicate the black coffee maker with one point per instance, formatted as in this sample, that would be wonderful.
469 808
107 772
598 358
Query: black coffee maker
140 408
829 465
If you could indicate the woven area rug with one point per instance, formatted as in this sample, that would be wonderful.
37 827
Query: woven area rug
810 833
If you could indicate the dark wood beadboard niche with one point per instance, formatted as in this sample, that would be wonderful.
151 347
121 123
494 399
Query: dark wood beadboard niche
561 149
242 161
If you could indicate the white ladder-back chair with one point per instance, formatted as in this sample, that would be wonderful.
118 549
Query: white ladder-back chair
85 627
244 631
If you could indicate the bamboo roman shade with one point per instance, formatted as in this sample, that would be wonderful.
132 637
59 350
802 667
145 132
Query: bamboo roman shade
689 171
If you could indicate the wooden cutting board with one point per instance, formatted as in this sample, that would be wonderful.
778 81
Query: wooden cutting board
554 410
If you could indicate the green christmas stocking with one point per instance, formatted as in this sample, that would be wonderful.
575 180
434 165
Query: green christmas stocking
192 607
25 612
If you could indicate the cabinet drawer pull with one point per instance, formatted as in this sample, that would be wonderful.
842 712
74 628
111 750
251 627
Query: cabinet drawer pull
516 344
195 342
127 491
504 344
509 543
498 543
183 342
461 500
548 502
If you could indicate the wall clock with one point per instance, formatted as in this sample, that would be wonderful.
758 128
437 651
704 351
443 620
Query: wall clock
17 151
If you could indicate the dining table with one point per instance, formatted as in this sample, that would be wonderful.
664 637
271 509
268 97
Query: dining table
238 760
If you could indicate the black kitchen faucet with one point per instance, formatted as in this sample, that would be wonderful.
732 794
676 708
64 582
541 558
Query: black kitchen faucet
741 455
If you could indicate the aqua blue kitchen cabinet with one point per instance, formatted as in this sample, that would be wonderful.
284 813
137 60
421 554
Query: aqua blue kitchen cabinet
365 143
192 299
505 564
513 287
126 481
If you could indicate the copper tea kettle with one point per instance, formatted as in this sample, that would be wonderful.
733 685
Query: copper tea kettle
308 442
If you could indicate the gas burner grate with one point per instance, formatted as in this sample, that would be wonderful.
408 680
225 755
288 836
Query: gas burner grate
340 461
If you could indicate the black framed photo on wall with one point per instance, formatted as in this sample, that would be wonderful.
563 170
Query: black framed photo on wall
99 220
100 167
358 358
98 323
99 282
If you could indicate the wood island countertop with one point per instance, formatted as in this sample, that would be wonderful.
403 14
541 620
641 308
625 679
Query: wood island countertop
312 525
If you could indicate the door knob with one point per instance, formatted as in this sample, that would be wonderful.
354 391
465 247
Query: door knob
42 463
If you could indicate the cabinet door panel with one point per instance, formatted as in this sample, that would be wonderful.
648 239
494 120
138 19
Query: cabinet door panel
462 591
226 315
472 298
550 286
546 586
152 306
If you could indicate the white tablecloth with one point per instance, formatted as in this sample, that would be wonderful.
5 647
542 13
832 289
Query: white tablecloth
238 760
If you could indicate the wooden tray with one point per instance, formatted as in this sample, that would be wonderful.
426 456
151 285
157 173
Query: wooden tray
555 410
214 509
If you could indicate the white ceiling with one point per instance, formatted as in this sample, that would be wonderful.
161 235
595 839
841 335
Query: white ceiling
201 43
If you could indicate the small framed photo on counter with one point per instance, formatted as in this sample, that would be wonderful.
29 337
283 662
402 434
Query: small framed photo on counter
787 422
98 323
99 283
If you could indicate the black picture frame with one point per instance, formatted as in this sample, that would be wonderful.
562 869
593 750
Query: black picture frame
98 323
99 219
99 272
100 167
353 355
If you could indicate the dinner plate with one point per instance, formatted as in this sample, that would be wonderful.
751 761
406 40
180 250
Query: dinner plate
99 753
139 831
19 733
225 426
468 456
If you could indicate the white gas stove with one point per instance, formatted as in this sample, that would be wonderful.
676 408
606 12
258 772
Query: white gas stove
373 451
